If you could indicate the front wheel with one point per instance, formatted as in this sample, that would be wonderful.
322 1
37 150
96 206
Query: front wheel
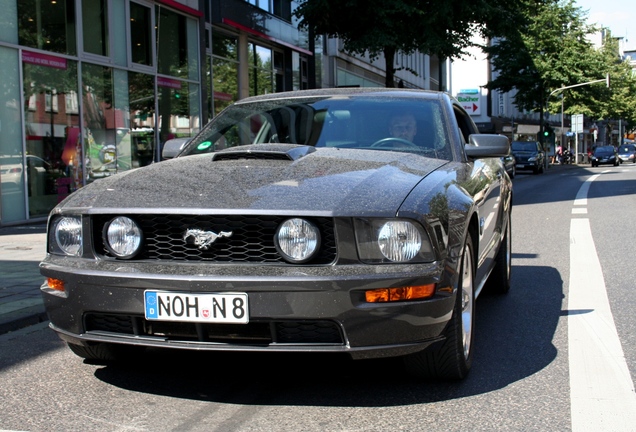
452 360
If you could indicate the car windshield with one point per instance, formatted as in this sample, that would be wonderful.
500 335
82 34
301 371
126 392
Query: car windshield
359 122
627 149
603 151
524 146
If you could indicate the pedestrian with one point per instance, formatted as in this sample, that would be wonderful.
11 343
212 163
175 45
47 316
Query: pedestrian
558 154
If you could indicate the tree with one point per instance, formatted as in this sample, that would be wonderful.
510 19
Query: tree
550 51
617 101
554 51
444 28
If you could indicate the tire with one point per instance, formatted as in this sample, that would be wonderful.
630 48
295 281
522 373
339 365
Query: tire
453 358
104 353
499 279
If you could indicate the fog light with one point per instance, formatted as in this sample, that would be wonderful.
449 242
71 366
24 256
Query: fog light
416 292
55 284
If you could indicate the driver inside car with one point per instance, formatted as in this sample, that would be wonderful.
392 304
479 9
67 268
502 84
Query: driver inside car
403 126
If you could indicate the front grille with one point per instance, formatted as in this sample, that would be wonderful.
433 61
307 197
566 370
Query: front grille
254 333
252 238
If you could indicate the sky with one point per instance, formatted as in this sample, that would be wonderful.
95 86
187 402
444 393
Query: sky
618 15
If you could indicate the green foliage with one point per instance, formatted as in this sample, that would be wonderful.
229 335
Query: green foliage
444 28
552 50
549 51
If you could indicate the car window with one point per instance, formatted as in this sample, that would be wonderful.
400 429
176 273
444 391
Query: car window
524 146
363 122
604 150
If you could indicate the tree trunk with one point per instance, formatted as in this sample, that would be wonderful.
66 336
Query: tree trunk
389 58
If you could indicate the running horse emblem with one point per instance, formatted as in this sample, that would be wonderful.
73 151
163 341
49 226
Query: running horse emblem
203 239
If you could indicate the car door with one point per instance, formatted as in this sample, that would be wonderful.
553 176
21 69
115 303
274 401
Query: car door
485 187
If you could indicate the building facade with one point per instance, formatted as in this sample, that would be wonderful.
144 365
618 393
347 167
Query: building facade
91 88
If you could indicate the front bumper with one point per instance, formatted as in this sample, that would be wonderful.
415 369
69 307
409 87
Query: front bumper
297 309
525 165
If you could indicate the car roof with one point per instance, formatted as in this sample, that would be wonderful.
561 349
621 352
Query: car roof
356 91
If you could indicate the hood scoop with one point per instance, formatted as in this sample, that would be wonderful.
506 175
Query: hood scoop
286 152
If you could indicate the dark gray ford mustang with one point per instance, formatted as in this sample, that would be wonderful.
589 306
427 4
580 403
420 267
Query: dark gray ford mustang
355 221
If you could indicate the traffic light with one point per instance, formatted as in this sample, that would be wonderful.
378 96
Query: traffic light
547 130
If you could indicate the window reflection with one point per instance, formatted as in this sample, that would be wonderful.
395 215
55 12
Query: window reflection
142 118
95 26
140 34
172 44
224 71
47 25
261 70
54 155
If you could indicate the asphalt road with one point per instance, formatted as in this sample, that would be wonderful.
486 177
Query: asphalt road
522 371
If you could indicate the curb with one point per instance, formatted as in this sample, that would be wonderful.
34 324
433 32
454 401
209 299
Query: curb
17 320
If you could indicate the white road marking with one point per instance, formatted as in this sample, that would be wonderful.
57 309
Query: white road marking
601 388
581 195
579 211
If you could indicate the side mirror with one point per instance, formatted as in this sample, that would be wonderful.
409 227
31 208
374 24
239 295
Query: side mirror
171 148
487 145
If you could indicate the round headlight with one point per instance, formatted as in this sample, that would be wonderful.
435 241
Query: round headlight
123 237
399 241
297 240
68 235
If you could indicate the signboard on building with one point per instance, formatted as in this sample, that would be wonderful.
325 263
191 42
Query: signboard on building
577 123
471 101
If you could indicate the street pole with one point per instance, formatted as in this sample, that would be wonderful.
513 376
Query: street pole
606 80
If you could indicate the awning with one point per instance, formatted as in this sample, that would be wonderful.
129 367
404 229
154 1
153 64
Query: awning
523 129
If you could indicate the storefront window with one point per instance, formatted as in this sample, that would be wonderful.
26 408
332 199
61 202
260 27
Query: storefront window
53 144
47 25
100 127
95 26
140 34
141 90
261 70
176 117
12 168
177 42
224 71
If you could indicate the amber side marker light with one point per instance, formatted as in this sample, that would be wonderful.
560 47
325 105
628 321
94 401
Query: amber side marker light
400 294
56 284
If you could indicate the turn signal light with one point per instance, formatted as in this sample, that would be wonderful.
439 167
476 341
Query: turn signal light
416 292
56 284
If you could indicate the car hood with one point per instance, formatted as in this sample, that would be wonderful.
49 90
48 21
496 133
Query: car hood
262 179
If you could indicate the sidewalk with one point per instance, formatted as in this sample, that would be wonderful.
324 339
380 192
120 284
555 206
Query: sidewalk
21 250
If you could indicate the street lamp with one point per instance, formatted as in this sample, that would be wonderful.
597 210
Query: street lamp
606 80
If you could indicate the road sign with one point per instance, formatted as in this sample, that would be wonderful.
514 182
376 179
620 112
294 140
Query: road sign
470 102
577 123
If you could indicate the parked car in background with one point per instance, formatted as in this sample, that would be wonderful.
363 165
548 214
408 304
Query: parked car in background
627 153
605 155
510 164
528 156
293 222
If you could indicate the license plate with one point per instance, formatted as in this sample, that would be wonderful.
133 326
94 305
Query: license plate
520 165
229 308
